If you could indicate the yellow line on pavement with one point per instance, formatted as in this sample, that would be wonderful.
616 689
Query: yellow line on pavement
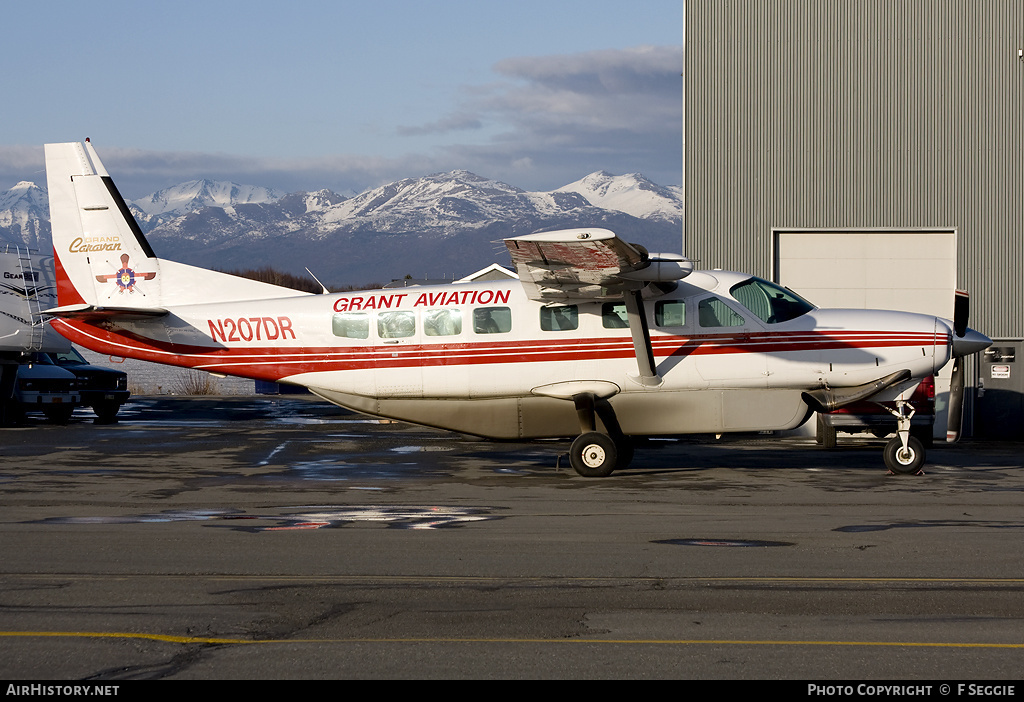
676 642
128 635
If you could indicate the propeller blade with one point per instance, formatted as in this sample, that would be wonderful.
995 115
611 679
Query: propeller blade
961 312
956 402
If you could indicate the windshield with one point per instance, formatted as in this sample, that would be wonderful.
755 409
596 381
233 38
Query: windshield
71 358
769 302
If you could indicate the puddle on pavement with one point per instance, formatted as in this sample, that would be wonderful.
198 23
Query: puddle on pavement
306 517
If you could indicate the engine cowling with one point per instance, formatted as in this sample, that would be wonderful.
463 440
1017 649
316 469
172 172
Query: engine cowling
662 268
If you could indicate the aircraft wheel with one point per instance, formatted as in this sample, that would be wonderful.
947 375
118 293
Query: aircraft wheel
593 455
904 462
826 434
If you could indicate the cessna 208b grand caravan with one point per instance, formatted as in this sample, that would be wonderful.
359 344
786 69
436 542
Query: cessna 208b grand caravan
598 339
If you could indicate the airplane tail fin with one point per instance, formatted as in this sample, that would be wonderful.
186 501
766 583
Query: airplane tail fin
94 234
101 257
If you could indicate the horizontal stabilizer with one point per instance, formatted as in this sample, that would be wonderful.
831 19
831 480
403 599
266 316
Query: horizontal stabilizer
94 313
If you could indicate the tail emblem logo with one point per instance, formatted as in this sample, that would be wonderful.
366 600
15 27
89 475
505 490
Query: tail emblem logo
125 278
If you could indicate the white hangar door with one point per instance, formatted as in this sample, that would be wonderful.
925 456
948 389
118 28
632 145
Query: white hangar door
897 269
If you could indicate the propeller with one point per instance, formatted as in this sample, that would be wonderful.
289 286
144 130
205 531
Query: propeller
955 417
961 312
965 342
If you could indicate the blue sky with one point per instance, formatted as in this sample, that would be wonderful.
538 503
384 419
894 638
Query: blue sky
345 95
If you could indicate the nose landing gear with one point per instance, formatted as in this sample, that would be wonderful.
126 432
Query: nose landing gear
904 454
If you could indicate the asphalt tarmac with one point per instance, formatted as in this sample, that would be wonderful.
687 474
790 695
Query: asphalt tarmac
249 538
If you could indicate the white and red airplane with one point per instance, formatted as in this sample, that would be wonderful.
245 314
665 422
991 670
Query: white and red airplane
597 339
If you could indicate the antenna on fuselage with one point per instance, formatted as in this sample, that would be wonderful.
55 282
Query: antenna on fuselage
323 288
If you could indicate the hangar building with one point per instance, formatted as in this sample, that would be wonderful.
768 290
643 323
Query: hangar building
866 154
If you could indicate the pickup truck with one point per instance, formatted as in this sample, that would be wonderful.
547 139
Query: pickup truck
103 389
42 386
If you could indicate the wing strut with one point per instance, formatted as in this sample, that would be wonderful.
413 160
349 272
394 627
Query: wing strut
641 337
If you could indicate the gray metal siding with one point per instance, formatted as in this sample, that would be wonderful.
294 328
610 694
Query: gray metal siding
854 114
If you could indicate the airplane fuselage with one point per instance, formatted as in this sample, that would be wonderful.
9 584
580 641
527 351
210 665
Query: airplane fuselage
484 359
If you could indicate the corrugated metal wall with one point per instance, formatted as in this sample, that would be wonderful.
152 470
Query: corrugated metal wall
859 113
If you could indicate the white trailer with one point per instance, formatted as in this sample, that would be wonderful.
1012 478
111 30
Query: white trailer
28 380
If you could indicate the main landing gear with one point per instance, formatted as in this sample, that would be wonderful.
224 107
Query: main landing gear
904 454
594 454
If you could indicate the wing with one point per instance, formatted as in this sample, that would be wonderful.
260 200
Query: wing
587 264
594 265
573 263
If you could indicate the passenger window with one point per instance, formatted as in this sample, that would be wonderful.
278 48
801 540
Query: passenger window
442 322
559 318
670 313
613 315
492 320
351 325
712 312
396 325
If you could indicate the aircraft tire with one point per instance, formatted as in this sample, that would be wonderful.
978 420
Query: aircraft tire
593 455
904 463
826 434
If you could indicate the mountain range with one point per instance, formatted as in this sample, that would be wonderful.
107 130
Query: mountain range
439 226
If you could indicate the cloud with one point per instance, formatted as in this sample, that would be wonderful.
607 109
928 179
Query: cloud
545 122
642 70
618 110
453 123
142 172
139 172
19 163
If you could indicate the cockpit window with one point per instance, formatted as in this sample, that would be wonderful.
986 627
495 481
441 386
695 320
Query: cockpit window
769 302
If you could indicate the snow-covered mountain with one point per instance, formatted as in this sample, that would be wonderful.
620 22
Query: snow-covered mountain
166 204
445 224
446 203
631 193
25 216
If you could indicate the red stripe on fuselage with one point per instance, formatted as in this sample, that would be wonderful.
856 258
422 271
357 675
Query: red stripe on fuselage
275 362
